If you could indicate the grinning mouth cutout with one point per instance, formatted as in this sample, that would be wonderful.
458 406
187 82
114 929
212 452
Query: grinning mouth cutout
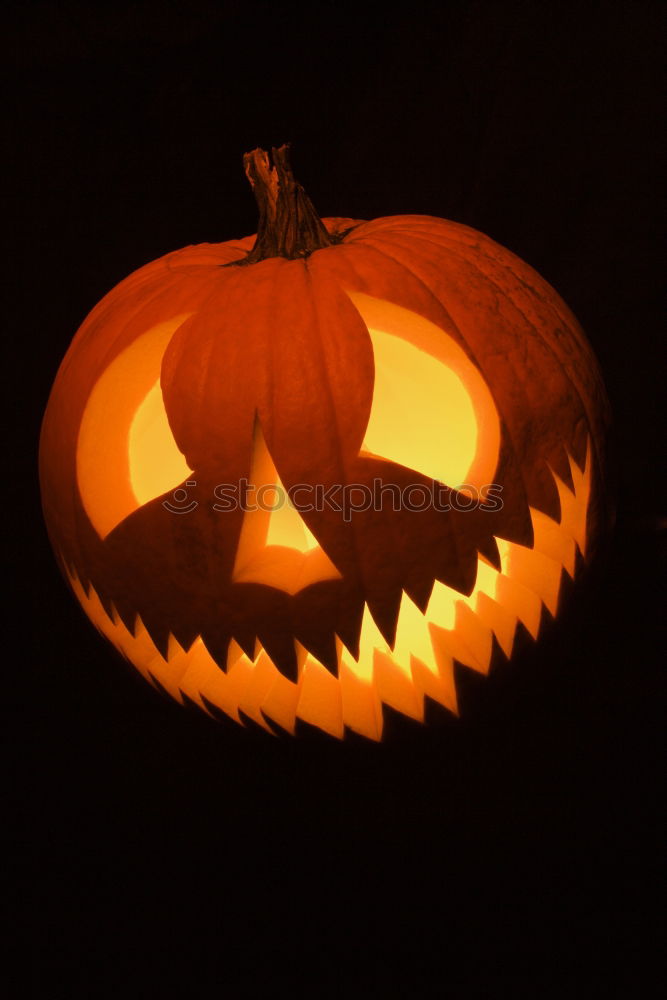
417 665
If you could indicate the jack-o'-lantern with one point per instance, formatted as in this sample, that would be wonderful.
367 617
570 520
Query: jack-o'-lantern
305 475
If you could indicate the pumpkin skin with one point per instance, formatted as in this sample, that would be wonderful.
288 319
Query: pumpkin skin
278 357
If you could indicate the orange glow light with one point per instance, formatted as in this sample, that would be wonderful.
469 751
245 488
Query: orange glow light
126 454
431 411
276 548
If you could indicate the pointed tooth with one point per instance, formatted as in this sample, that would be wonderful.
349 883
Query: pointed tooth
322 647
395 688
490 554
280 702
441 610
438 686
476 637
281 648
385 615
222 688
234 653
499 620
552 540
412 637
362 708
448 644
260 680
536 572
320 702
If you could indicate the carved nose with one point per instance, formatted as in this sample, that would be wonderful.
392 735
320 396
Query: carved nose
275 546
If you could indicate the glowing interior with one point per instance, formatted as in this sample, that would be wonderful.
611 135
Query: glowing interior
416 401
431 410
453 628
275 547
126 454
156 464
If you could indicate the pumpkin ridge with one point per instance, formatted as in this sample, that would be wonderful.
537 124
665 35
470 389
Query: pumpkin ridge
136 307
204 330
571 371
439 311
414 224
489 249
150 272
310 280
563 466
187 258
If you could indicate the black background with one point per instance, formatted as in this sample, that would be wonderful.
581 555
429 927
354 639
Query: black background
516 849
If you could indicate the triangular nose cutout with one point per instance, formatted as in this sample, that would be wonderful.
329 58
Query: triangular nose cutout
275 547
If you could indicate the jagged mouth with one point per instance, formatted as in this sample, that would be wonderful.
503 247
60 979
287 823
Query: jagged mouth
420 664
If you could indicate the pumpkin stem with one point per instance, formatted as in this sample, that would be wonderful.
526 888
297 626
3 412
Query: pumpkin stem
288 225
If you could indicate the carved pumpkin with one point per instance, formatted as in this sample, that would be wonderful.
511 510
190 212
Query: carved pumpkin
316 365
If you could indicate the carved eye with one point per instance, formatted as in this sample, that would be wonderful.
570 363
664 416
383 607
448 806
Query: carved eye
126 454
431 410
